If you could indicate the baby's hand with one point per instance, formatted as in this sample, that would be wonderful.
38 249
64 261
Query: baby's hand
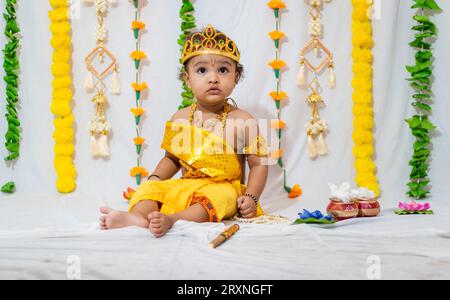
247 207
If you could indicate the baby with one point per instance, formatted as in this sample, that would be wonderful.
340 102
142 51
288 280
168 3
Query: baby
210 142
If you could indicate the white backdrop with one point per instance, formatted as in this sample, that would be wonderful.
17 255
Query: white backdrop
247 22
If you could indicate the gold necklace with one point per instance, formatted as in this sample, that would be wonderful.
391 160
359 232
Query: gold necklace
222 116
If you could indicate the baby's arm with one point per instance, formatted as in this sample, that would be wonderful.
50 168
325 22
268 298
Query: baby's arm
167 167
259 170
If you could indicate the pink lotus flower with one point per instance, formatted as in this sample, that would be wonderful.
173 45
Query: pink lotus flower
414 206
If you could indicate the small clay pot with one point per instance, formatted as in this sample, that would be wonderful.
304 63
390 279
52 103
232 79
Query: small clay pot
368 207
342 211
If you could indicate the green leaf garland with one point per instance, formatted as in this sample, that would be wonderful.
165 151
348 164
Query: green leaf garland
187 25
12 68
420 80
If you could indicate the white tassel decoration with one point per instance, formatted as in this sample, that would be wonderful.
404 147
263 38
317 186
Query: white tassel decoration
116 84
301 78
89 82
322 148
94 146
331 78
103 148
312 149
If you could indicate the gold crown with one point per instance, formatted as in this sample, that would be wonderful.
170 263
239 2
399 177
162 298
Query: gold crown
210 41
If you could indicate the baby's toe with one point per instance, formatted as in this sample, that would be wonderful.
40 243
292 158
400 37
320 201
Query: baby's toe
153 216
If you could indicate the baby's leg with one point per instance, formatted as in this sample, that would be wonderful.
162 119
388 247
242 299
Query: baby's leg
113 219
161 223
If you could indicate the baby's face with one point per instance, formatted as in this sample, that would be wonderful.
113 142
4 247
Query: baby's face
212 78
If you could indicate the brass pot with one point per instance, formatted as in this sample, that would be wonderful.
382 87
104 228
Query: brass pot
342 211
368 207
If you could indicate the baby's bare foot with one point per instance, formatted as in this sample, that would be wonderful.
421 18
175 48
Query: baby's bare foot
113 219
159 223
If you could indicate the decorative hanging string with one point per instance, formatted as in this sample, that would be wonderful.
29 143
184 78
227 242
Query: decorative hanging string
278 95
62 95
317 127
99 126
421 81
12 69
187 26
138 112
363 121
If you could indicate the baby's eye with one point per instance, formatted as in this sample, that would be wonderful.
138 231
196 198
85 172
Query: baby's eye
201 70
223 70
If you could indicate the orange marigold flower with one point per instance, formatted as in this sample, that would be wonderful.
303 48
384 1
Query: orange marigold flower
139 87
139 141
138 55
137 25
276 154
277 64
278 124
278 96
137 111
296 191
276 35
128 194
139 171
276 4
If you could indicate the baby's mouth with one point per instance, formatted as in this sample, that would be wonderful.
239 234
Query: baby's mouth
214 91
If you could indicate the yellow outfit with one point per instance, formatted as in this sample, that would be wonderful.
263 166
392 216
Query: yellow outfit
212 178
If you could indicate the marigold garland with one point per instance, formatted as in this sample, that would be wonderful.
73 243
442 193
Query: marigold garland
278 95
420 81
12 68
363 121
62 96
187 25
138 56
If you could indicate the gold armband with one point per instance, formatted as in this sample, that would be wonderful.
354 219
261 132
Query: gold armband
258 147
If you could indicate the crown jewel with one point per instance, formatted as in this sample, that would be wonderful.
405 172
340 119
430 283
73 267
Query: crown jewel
210 41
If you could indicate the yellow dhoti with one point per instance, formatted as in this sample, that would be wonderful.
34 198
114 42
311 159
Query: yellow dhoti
212 178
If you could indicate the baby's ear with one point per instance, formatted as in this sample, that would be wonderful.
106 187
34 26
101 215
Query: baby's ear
186 79
238 77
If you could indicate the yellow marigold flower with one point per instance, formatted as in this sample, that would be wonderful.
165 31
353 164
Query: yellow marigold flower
365 165
278 124
59 3
296 191
277 35
64 149
62 82
138 55
61 108
138 171
361 137
277 64
278 96
362 151
137 111
137 25
139 87
65 185
64 122
139 141
276 4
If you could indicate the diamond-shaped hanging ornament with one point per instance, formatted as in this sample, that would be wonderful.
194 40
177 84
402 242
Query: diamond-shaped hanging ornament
316 45
98 53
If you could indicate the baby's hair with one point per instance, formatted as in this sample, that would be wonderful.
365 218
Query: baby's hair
239 67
